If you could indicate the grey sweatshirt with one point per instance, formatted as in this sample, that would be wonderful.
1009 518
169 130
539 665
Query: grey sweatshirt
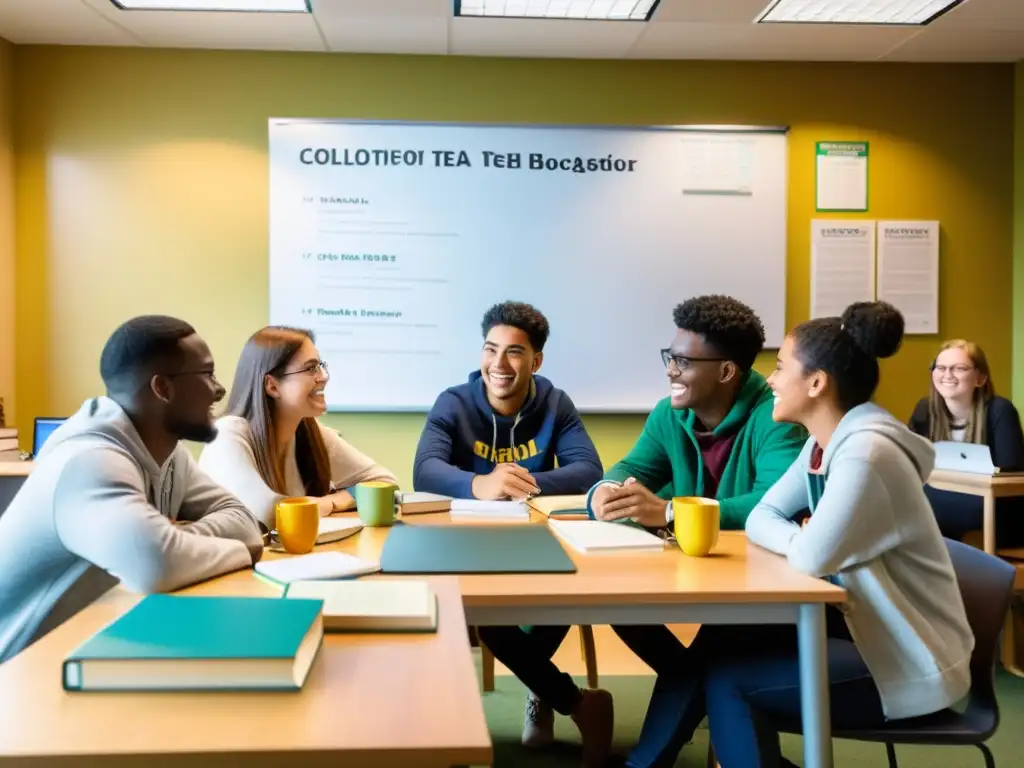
97 509
873 531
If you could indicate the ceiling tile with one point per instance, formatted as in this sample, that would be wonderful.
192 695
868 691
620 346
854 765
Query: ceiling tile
542 38
673 40
367 35
252 31
783 42
962 45
58 22
404 9
984 14
710 11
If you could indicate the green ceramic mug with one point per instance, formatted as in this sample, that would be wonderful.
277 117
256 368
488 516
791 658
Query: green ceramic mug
375 502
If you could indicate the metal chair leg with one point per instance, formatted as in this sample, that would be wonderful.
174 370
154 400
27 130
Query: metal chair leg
890 752
990 762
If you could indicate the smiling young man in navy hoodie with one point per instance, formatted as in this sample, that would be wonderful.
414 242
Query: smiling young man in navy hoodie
498 436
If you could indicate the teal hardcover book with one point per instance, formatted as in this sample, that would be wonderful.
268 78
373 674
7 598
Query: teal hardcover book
182 643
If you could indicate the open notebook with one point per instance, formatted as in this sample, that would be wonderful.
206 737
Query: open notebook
561 507
318 565
598 536
476 509
372 606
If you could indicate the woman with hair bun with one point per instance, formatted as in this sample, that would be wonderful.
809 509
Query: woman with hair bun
901 646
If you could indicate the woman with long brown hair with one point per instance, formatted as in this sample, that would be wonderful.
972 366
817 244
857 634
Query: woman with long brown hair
270 445
963 406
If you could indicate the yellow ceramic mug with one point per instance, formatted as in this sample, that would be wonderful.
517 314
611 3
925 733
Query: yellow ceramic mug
696 524
298 524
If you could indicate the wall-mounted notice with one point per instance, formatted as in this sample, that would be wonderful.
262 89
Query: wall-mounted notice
841 176
842 265
908 271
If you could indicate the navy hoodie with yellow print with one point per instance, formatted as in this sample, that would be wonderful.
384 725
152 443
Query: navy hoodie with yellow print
464 437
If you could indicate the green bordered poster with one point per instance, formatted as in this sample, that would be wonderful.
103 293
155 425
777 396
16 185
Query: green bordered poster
841 176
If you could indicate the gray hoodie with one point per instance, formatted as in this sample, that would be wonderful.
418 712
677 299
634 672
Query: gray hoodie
873 532
97 509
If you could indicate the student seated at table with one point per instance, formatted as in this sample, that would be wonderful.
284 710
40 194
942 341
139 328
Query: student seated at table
870 530
963 406
113 494
270 445
498 436
713 436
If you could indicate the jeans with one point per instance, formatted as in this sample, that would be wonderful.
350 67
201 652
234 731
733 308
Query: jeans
678 702
527 652
746 692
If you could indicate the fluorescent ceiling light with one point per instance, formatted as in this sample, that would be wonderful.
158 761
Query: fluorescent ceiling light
604 10
882 12
266 6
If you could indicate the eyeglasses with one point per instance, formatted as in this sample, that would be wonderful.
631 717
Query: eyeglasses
313 368
682 362
959 370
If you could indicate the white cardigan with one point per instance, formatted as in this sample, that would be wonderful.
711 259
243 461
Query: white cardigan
231 462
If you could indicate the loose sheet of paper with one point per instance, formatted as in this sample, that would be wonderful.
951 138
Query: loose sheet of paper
718 165
842 265
842 176
908 271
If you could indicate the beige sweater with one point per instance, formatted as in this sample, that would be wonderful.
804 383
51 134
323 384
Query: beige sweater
230 461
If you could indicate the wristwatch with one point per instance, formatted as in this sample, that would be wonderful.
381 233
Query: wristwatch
670 513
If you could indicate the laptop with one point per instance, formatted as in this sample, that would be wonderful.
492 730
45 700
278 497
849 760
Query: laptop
44 427
973 458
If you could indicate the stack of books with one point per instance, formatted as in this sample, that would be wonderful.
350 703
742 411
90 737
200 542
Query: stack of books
9 444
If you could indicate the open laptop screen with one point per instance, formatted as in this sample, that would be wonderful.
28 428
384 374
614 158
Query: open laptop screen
43 429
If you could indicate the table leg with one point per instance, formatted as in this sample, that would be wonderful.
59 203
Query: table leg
989 522
814 699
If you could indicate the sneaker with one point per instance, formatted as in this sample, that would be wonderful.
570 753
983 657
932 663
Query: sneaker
538 723
595 717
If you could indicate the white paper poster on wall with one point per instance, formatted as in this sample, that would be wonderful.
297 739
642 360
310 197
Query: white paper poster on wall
842 265
391 240
908 272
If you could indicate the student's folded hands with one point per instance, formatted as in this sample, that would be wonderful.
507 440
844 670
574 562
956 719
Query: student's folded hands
630 500
505 481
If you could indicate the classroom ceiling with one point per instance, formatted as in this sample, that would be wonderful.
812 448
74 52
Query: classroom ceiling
975 31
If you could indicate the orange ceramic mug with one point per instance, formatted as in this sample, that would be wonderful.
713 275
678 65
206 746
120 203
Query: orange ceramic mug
298 524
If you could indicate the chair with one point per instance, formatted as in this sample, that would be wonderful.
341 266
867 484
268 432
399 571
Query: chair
587 649
986 584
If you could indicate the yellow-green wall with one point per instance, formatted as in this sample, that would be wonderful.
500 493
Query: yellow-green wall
7 280
1018 235
142 185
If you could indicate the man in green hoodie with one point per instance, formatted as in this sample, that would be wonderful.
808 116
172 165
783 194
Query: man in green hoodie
714 437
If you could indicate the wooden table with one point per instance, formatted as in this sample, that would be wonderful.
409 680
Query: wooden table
739 584
370 700
15 468
989 487
375 700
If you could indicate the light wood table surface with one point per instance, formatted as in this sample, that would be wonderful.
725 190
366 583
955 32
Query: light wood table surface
15 468
988 487
738 584
370 700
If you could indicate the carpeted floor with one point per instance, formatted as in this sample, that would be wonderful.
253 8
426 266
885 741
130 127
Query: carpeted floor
504 709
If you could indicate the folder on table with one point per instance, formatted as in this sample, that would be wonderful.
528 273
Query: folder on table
529 548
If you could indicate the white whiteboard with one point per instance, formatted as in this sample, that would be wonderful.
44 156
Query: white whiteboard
392 255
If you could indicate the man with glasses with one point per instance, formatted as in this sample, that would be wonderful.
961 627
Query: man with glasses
713 436
114 496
